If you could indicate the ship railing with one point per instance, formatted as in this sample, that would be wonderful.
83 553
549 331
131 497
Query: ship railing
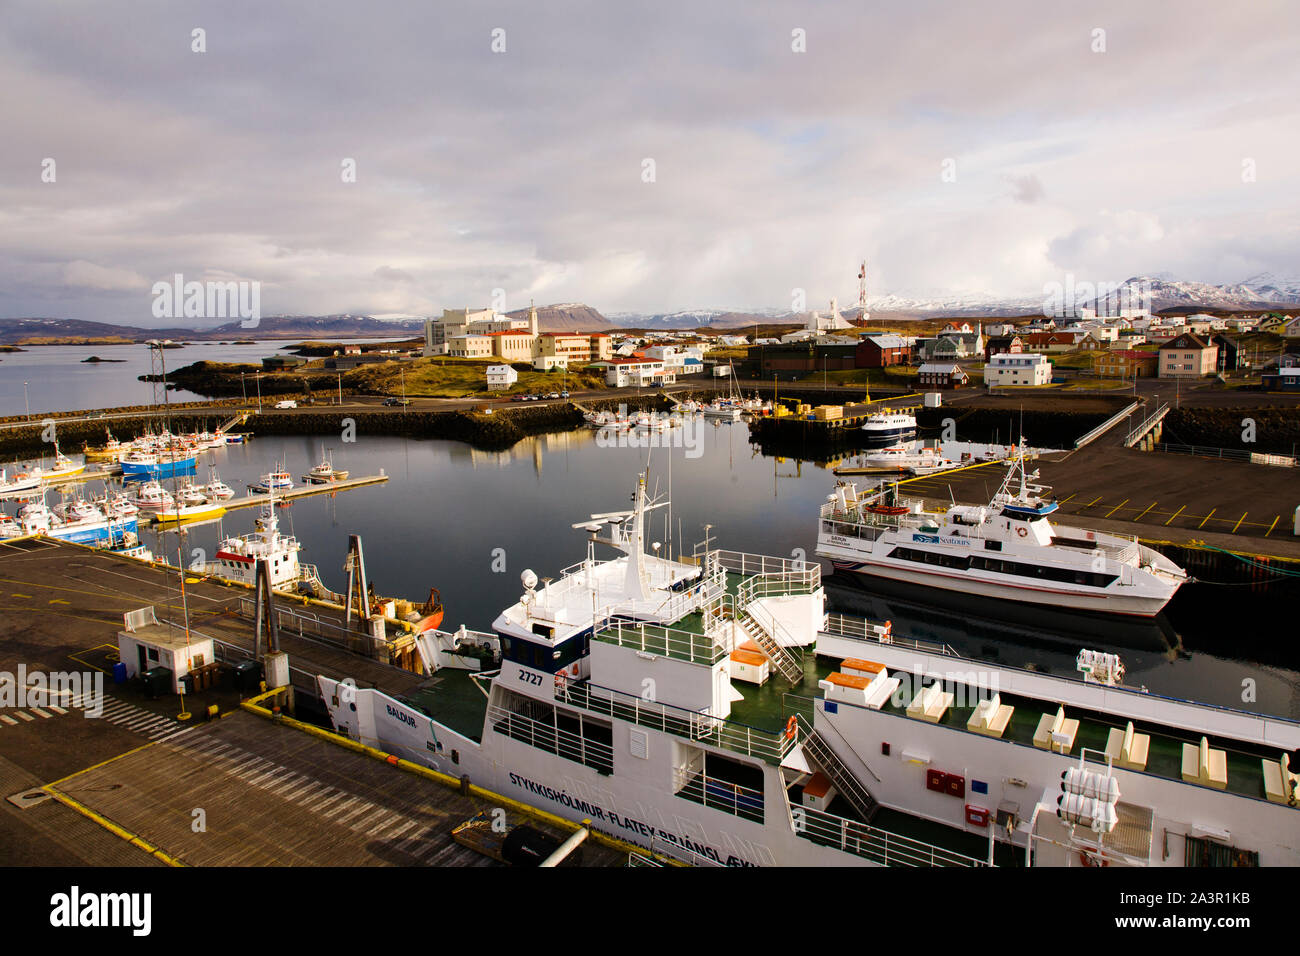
739 801
860 629
748 565
852 528
662 640
552 739
872 843
767 745
804 579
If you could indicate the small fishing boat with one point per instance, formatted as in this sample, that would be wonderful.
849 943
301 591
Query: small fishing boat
324 472
217 489
20 484
272 481
152 496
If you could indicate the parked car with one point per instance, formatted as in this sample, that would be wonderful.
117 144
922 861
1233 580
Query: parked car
286 403
564 394
553 395
397 401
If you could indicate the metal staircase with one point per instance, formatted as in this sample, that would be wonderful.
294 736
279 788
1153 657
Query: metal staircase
786 664
816 747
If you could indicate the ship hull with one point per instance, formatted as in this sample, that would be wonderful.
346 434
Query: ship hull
1038 595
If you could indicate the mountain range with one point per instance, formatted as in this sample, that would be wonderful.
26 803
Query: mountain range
1261 291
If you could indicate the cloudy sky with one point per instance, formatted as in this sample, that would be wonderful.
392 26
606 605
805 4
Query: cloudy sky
964 148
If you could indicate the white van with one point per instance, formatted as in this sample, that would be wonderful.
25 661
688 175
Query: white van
287 403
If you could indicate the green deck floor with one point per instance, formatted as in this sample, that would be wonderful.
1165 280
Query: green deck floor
453 699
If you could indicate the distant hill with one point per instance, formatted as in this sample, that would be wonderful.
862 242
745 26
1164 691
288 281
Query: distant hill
75 331
566 317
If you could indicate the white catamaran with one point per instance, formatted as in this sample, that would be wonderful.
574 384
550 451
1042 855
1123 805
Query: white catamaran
1007 549
643 694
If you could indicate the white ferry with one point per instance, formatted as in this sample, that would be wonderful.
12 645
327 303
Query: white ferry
889 425
898 459
647 695
1008 549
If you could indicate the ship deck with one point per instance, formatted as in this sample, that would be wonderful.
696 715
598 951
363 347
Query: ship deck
453 698
1245 775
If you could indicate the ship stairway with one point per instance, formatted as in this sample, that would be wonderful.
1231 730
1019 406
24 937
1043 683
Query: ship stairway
829 762
785 662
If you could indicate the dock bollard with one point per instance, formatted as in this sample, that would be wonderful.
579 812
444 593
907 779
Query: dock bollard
464 784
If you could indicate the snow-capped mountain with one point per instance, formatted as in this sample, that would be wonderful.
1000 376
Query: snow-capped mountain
1166 292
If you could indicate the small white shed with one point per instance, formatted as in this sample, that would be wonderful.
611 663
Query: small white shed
146 644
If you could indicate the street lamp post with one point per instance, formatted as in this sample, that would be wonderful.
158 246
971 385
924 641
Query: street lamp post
25 402
243 390
258 378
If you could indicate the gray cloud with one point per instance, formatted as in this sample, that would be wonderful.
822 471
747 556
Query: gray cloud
522 170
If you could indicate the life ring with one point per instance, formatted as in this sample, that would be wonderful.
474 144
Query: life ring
887 510
790 726
1092 859
1022 531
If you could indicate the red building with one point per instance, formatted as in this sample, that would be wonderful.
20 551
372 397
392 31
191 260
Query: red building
878 351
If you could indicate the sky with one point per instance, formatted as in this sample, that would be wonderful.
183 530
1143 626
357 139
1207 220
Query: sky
637 157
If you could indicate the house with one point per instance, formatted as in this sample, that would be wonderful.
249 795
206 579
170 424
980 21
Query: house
620 373
1003 345
942 375
797 359
500 376
1000 329
1125 364
1050 342
732 341
1281 380
1230 356
1188 356
957 345
879 351
1022 369
352 350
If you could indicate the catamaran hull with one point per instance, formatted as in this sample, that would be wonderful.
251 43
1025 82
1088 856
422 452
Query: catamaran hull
1105 603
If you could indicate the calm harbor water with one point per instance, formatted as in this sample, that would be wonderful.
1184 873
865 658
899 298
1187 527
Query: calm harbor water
469 522
58 379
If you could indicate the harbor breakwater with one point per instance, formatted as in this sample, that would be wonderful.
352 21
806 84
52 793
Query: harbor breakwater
1269 429
497 430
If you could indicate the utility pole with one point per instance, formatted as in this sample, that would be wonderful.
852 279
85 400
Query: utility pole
340 388
25 402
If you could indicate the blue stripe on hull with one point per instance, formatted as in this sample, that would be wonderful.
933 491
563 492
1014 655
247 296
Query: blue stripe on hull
100 535
185 466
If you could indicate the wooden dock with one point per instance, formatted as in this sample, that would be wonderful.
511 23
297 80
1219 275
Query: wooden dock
253 501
